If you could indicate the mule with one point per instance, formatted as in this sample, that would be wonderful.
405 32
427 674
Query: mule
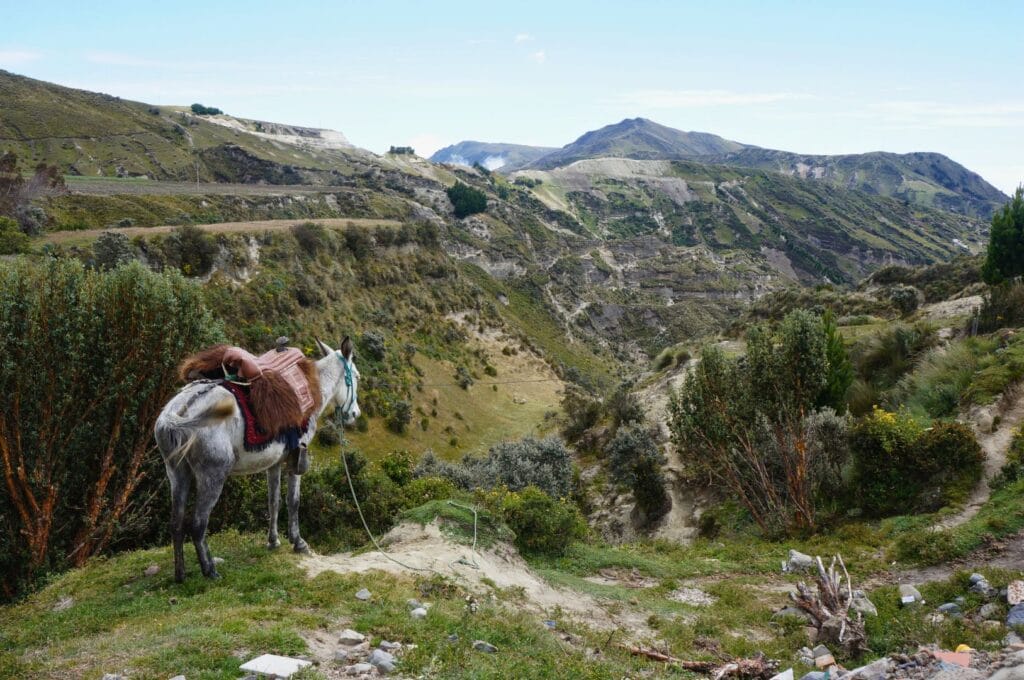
200 435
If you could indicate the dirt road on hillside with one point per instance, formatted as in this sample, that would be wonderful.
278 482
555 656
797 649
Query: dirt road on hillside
220 227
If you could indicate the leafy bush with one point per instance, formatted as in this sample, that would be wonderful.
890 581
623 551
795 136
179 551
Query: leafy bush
112 249
397 465
400 416
373 344
1005 256
89 360
358 241
191 250
542 524
1003 307
901 468
904 298
544 463
201 110
312 237
466 200
1013 469
635 461
12 239
581 410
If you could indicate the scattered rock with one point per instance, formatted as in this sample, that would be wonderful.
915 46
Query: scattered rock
1012 639
1015 617
975 578
486 647
958 673
389 646
1015 593
797 562
784 675
692 596
359 669
418 613
794 612
112 676
936 618
814 675
812 634
413 603
824 661
955 658
152 570
350 637
989 610
981 586
274 665
63 604
1011 673
950 608
992 625
454 637
550 624
178 677
383 661
341 656
820 650
877 670
910 595
218 561
363 594
861 603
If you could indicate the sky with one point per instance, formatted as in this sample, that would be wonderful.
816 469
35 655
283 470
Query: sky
813 77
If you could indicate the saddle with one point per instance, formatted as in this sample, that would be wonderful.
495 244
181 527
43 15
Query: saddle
283 385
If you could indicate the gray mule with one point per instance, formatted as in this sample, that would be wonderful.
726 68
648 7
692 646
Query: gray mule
200 434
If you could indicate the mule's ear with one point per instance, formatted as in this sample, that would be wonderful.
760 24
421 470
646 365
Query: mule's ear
324 348
347 347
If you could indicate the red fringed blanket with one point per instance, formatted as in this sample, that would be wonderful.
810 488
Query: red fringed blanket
256 439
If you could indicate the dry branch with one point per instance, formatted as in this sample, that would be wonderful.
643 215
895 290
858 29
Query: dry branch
754 668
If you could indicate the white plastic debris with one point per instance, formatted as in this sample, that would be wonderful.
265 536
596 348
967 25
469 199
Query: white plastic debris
274 666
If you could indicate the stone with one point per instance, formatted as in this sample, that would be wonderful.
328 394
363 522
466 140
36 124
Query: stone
63 604
820 650
992 625
794 612
359 669
949 608
975 578
112 676
798 562
814 675
274 665
413 603
363 594
989 610
1015 593
486 647
936 618
784 675
1010 673
383 661
877 670
418 613
1015 617
548 623
983 588
812 634
152 570
178 677
454 637
389 646
350 637
910 595
958 673
218 561
861 603
1011 639
341 655
824 661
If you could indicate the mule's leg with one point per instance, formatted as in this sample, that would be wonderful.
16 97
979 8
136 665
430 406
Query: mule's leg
209 483
273 503
294 482
180 478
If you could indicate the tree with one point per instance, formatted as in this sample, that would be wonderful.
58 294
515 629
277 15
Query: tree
12 239
466 200
1005 257
17 194
840 369
635 462
89 360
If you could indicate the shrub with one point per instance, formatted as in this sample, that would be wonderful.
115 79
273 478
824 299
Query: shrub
373 344
397 465
463 378
466 200
312 237
634 461
543 525
581 412
12 239
201 110
191 250
80 429
1005 256
400 416
1003 307
624 407
358 241
112 249
904 298
901 468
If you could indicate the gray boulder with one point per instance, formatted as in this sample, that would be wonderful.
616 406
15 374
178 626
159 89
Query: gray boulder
877 670
950 608
486 647
797 562
1016 616
861 603
418 613
363 594
910 595
350 637
989 610
383 661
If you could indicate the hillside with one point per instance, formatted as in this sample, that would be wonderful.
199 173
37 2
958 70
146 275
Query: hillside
493 156
637 138
925 179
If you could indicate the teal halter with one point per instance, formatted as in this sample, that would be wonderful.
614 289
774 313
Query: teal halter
350 383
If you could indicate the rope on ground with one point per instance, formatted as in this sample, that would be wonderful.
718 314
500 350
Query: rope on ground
473 510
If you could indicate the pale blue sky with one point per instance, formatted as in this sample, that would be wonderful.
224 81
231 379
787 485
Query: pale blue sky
814 77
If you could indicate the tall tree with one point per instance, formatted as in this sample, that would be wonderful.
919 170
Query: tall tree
1005 258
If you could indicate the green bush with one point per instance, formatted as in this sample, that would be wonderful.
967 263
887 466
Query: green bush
312 237
1003 307
1005 256
466 200
634 461
398 466
12 239
901 468
190 249
112 249
543 525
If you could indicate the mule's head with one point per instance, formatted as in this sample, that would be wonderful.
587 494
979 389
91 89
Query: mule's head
346 392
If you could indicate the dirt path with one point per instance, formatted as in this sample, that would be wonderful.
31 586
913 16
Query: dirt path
995 445
220 227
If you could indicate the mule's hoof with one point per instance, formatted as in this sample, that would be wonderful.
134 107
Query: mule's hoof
212 575
302 547
273 545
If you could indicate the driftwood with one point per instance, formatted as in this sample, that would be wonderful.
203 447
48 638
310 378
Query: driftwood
830 606
757 667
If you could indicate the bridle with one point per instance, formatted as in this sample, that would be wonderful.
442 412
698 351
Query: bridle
351 382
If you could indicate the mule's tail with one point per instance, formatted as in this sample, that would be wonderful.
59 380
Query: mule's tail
175 434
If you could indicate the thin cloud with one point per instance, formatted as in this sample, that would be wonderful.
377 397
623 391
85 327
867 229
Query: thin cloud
539 56
522 37
18 57
689 99
925 115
